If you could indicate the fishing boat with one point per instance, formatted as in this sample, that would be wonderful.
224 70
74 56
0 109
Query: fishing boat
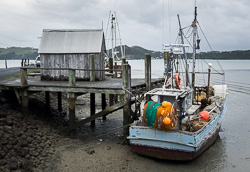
113 57
182 119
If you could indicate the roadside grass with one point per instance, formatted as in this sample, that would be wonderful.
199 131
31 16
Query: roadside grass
17 75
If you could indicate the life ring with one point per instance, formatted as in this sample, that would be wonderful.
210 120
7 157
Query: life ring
178 80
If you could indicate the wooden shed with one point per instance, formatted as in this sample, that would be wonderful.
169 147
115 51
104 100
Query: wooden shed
71 49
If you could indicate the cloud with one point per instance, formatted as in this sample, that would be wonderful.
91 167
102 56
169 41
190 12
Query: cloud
145 23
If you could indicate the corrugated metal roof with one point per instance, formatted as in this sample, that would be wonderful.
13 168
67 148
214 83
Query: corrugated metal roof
71 41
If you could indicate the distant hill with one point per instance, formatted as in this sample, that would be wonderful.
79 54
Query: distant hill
134 52
226 55
137 52
13 53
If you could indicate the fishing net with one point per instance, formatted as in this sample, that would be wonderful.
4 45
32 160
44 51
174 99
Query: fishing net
150 112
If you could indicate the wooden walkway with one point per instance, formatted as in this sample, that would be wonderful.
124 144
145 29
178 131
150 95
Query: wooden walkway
107 86
113 87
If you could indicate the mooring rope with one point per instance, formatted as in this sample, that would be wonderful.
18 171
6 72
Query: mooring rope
131 94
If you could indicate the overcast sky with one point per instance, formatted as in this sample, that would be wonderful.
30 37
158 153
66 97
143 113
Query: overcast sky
146 23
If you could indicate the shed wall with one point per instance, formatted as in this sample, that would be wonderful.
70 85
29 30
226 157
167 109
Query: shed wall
75 61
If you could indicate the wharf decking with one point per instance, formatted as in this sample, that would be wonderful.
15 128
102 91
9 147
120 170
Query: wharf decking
107 86
126 89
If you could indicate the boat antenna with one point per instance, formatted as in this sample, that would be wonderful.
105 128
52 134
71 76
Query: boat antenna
184 54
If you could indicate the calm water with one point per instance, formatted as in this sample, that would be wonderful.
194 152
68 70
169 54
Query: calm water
231 152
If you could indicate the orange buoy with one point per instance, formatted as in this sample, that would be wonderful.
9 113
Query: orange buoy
166 120
164 104
204 115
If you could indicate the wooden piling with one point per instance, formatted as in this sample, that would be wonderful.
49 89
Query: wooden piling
72 77
59 101
92 108
25 102
6 66
115 67
23 76
123 61
47 98
111 99
126 81
24 93
148 71
72 117
111 65
104 105
208 80
92 67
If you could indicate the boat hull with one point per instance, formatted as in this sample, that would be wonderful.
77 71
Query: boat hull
173 154
174 145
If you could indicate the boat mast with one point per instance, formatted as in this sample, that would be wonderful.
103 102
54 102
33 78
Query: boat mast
112 35
114 26
184 52
122 52
194 25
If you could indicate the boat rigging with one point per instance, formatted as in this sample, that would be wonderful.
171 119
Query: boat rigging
179 122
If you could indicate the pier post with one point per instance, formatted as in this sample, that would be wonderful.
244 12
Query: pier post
72 117
72 77
104 105
25 102
92 108
24 92
111 99
59 101
148 71
115 67
23 76
208 80
126 82
72 99
92 79
92 67
111 65
6 66
123 61
47 98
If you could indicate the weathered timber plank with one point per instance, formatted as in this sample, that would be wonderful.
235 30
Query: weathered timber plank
93 117
75 90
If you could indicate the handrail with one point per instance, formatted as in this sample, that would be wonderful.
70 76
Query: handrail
71 69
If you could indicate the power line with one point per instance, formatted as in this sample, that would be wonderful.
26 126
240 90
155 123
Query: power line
7 44
10 37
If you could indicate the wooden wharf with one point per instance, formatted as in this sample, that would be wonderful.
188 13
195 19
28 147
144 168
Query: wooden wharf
126 88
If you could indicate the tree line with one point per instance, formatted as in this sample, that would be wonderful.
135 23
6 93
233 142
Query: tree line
134 52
